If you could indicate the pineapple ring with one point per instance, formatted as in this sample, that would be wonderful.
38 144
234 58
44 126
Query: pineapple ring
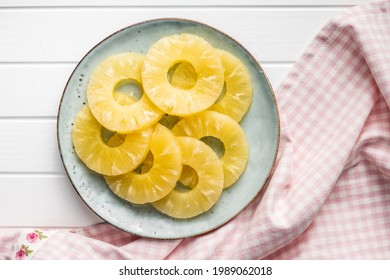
162 176
238 96
112 115
167 52
223 127
100 157
188 204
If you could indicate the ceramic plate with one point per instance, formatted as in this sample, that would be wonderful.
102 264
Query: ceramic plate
261 126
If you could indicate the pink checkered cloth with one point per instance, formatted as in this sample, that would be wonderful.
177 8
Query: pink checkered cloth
329 196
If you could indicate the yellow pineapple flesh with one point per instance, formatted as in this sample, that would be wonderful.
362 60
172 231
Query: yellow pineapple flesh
236 99
190 203
99 156
171 50
160 179
124 99
228 131
114 116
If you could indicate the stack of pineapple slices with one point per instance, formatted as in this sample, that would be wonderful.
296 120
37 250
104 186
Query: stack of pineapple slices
150 158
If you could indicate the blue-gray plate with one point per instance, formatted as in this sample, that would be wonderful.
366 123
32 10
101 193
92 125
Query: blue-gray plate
261 125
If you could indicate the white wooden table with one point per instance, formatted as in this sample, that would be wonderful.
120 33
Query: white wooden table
41 42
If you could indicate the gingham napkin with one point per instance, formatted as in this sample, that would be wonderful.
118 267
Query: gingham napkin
329 195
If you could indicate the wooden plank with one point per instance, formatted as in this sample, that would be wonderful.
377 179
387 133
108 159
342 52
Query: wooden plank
276 73
29 145
47 35
42 201
32 89
36 89
49 3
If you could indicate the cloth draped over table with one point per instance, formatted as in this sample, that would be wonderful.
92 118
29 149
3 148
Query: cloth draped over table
329 194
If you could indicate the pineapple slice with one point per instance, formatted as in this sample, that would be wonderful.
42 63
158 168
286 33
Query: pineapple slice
106 77
190 203
228 131
141 188
102 158
166 53
236 99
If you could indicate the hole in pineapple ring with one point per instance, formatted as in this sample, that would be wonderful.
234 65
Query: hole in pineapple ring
108 134
188 179
180 187
146 165
130 87
169 121
182 75
215 144
171 70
